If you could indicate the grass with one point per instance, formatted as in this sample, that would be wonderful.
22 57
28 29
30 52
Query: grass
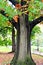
9 48
35 47
41 49
5 49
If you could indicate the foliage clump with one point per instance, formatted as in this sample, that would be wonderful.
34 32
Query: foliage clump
34 9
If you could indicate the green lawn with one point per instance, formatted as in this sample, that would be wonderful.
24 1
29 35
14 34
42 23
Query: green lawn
5 49
9 48
35 47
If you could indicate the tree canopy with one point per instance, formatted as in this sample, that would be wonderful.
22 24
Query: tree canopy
34 8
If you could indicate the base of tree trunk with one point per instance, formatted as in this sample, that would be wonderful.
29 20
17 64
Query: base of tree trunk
28 61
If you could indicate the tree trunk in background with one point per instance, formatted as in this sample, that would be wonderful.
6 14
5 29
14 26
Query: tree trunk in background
37 44
13 39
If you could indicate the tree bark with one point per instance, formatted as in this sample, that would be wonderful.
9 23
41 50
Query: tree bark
28 35
13 39
35 22
23 41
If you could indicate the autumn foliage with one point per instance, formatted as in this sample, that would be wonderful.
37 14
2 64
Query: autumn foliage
15 18
18 6
42 0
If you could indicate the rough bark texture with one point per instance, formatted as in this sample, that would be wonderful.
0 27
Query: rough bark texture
28 35
23 39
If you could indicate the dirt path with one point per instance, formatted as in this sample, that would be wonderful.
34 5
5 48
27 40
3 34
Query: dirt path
38 59
5 59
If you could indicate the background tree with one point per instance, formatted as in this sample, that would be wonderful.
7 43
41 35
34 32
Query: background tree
35 30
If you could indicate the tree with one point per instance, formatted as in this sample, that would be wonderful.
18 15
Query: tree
35 30
4 32
4 20
24 28
24 43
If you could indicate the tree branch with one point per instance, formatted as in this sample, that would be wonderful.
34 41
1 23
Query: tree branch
14 2
35 22
12 21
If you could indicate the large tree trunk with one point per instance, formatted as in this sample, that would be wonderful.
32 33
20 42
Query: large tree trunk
23 39
23 45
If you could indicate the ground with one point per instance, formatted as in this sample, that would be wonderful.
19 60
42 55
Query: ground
5 58
38 59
